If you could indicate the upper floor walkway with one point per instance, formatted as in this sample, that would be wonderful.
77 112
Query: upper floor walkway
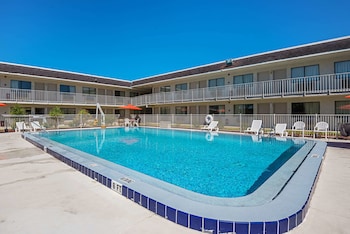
304 86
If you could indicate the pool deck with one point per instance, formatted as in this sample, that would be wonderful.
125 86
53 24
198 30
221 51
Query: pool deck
40 194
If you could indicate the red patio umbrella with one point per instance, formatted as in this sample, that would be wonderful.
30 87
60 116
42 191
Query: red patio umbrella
130 107
347 96
2 104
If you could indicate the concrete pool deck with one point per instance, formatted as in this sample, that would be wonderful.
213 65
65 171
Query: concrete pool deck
40 194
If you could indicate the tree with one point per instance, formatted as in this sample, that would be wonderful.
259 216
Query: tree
17 110
56 113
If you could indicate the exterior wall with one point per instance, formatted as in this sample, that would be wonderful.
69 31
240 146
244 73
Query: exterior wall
264 106
264 72
53 85
271 71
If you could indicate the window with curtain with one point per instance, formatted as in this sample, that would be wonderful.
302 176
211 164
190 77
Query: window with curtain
89 90
181 110
165 88
306 108
242 79
339 110
20 84
342 67
118 93
164 110
180 87
243 109
305 71
217 109
67 89
134 94
216 82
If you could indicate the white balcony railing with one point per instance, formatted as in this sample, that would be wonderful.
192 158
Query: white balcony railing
51 97
315 85
304 86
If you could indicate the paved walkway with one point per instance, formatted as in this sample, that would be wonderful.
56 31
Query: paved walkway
39 194
329 210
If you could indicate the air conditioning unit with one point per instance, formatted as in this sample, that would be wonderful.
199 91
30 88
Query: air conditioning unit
115 186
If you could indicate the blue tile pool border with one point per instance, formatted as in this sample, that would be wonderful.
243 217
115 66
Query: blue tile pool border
259 223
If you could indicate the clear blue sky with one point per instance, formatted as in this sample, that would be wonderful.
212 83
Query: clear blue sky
135 39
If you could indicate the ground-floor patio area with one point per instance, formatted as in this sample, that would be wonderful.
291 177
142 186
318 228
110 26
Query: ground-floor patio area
40 194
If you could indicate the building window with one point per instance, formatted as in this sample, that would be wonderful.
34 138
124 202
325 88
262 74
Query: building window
88 90
242 79
243 109
91 111
164 110
342 67
165 88
180 87
339 110
299 72
119 93
216 82
134 94
19 84
67 89
181 110
219 109
39 111
306 108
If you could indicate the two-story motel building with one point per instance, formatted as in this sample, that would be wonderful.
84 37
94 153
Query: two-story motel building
307 79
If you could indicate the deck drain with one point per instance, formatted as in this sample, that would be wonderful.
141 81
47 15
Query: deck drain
315 156
127 180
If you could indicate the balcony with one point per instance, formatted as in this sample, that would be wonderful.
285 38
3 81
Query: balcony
26 96
304 86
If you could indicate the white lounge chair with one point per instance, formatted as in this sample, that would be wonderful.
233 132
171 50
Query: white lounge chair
126 122
21 127
212 126
255 128
36 126
321 127
280 129
298 126
136 122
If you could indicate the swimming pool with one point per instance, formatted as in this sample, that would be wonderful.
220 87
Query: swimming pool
191 160
254 202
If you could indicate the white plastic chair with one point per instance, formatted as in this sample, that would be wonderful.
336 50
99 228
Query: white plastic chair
280 129
321 127
255 128
298 126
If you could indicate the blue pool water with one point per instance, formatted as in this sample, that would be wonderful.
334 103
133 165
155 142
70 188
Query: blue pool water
222 166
